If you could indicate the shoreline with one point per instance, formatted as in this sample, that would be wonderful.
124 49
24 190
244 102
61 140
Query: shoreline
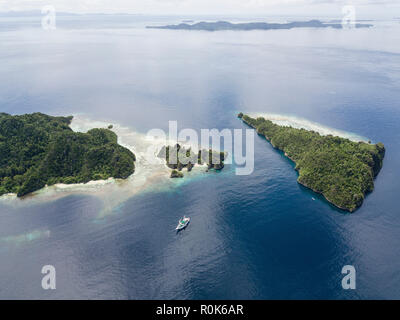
303 123
297 170
151 173
308 187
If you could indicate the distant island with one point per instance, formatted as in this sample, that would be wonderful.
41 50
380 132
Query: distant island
224 25
38 150
341 170
174 154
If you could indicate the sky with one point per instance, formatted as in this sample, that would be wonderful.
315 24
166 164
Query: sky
257 7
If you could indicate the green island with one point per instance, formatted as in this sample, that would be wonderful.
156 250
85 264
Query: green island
178 157
38 150
341 170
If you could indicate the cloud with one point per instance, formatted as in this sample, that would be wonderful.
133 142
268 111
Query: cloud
184 6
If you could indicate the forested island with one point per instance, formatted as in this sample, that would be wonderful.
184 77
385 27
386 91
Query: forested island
341 170
225 25
178 157
38 150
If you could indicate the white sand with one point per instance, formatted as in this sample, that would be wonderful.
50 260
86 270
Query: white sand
297 122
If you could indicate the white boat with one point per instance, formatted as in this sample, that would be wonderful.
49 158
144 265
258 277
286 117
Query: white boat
183 223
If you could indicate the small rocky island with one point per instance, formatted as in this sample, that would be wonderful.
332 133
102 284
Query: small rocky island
225 25
341 170
178 157
38 150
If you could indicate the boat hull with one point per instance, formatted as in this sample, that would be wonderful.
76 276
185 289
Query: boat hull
181 227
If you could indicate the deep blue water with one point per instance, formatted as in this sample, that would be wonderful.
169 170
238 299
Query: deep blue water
251 237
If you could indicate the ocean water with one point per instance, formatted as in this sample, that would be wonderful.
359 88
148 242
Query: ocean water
260 236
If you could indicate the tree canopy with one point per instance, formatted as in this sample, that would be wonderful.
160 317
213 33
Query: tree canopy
38 150
338 168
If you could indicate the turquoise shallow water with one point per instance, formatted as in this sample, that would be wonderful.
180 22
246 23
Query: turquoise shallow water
251 237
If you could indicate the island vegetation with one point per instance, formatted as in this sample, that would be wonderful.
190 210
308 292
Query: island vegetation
176 174
178 157
225 25
342 170
38 150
